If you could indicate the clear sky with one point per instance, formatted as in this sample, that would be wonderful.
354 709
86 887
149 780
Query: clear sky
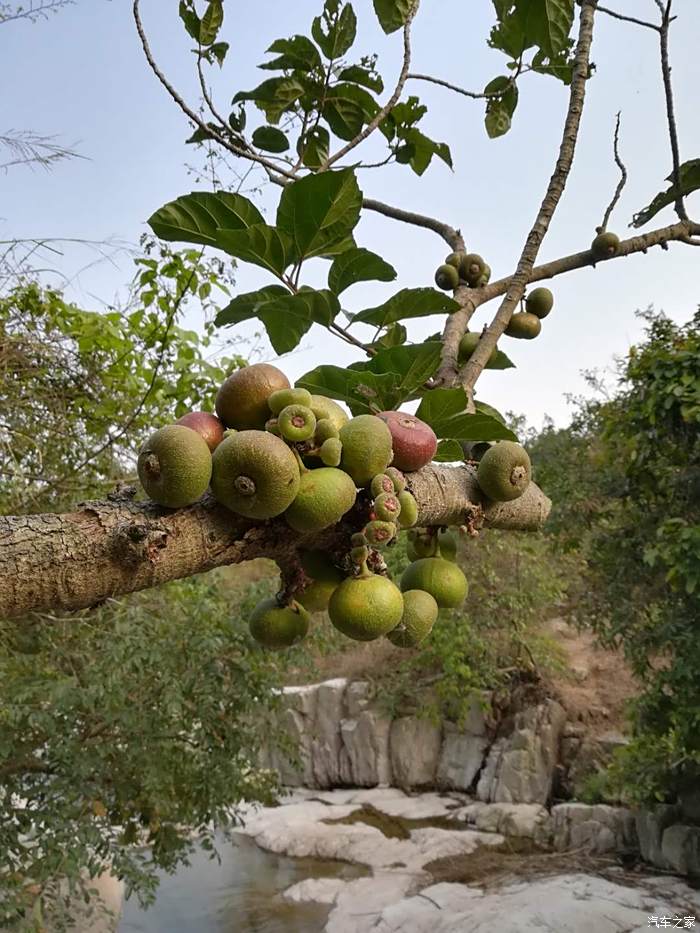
82 76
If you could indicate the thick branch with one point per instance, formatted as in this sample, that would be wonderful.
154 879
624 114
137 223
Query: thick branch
451 236
470 373
113 547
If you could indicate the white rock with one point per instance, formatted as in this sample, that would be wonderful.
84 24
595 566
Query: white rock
360 903
327 743
357 698
595 828
365 762
314 891
461 758
414 746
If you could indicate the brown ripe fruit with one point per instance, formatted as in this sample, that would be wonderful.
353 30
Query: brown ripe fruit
208 426
241 402
413 441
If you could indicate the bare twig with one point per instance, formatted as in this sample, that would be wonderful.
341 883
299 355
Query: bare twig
473 95
473 368
623 176
32 11
390 104
451 236
670 110
628 19
31 149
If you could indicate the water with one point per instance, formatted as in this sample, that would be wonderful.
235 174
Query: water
239 895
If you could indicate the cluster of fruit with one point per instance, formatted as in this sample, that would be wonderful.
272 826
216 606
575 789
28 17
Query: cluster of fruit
467 268
273 450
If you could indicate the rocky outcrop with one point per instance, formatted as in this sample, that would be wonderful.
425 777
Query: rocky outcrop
594 829
415 750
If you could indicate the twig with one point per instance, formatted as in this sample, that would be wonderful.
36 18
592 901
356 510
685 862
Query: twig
623 176
393 100
451 236
628 19
473 95
469 374
670 111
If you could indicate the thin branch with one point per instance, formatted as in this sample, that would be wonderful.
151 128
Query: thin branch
670 110
391 103
469 374
473 95
623 176
451 236
628 19
33 12
32 149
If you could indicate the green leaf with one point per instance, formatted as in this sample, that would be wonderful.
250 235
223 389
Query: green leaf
270 139
246 306
485 409
274 96
394 336
423 150
200 135
211 22
689 182
259 244
501 361
347 107
476 427
359 75
392 14
298 54
197 217
500 108
497 121
216 53
314 147
358 265
335 34
362 392
408 303
288 318
549 24
323 306
440 404
189 18
319 212
413 365
448 452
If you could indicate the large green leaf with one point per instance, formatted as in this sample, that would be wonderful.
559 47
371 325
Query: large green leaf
413 364
358 265
274 96
690 181
271 139
394 336
288 318
335 34
296 54
421 149
487 409
196 217
362 392
476 427
408 303
501 106
211 22
440 404
314 147
448 452
246 306
549 23
260 244
392 14
347 107
322 305
319 212
364 76
190 19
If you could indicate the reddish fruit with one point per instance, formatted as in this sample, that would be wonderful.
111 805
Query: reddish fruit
206 425
414 442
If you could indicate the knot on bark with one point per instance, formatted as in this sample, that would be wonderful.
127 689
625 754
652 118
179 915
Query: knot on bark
122 492
138 541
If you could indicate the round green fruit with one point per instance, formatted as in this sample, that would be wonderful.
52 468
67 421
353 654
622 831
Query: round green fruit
524 326
331 452
539 302
366 607
605 245
276 626
326 408
324 496
254 474
241 402
441 578
467 345
504 471
316 596
359 554
420 612
284 397
425 544
367 448
409 509
472 268
174 466
296 423
381 483
454 259
447 277
325 430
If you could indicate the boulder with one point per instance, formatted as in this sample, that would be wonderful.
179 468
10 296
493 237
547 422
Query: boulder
364 758
690 804
650 825
461 758
680 848
595 828
326 742
414 748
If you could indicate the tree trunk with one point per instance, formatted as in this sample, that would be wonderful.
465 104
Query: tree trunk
108 548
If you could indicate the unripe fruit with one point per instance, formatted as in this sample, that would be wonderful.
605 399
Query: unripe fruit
379 533
316 596
324 407
331 452
397 478
381 483
359 554
409 509
539 302
366 607
485 276
454 259
208 426
504 471
272 426
358 539
467 345
447 277
442 579
254 474
420 612
241 402
296 423
174 466
367 449
605 245
425 544
387 507
413 441
325 429
324 496
524 326
471 268
283 397
276 626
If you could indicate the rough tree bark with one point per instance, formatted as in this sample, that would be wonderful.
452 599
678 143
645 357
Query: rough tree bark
51 563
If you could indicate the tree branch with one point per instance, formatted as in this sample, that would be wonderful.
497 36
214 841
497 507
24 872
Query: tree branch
623 176
472 95
473 368
451 236
113 547
670 110
628 19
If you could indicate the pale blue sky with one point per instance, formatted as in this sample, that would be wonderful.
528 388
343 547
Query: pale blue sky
82 75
